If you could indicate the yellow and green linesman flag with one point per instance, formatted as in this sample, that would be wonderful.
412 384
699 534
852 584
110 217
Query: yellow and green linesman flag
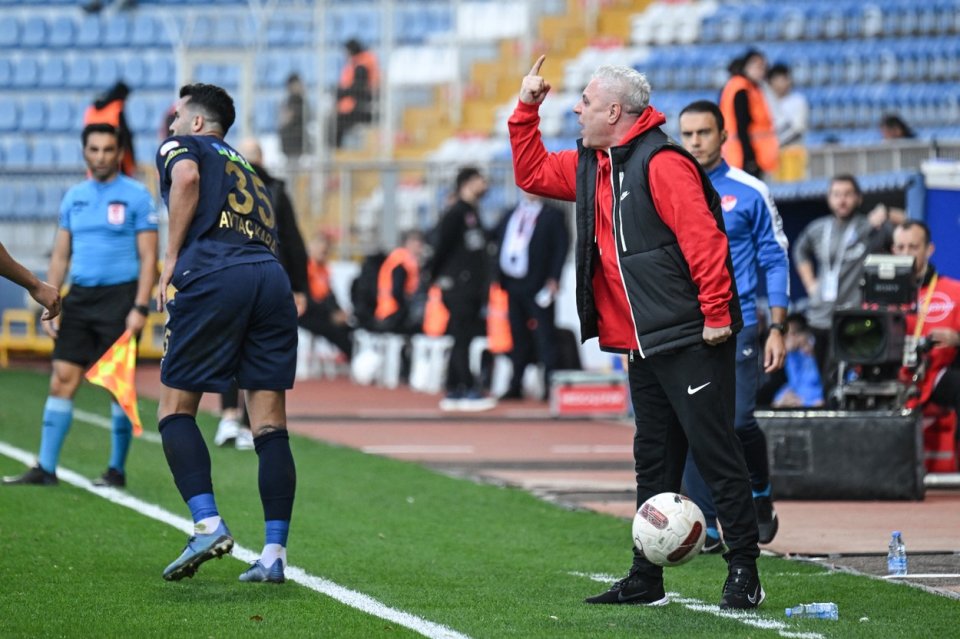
115 372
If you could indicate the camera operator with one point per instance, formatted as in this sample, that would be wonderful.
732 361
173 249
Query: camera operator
937 318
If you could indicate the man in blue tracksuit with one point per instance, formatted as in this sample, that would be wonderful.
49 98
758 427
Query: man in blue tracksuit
757 244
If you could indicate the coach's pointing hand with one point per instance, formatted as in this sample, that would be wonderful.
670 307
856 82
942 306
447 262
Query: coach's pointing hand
534 88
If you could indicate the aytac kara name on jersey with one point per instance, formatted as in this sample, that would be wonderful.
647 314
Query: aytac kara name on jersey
248 227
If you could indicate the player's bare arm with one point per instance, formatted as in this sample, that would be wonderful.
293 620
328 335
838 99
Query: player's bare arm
47 296
534 88
147 252
184 195
57 271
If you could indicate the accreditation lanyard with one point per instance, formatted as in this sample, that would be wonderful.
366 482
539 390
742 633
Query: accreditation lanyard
831 275
922 311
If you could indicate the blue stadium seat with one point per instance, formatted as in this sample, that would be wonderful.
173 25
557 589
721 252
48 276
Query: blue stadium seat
34 34
6 72
51 195
61 33
160 73
33 118
145 31
7 195
134 71
109 71
88 34
139 114
9 32
18 154
9 116
25 72
116 31
28 202
265 115
70 152
44 153
81 73
62 117
53 73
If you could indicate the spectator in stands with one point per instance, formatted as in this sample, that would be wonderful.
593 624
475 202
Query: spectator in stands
108 108
893 127
752 140
324 316
533 242
96 6
293 118
356 90
234 424
655 280
107 239
802 388
937 316
790 109
398 283
45 295
758 247
829 256
460 268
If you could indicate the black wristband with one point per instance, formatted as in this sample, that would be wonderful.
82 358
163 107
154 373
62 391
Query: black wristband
779 326
143 309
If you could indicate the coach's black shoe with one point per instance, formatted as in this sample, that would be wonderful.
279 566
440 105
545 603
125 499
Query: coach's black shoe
766 519
742 590
636 589
712 545
36 476
112 477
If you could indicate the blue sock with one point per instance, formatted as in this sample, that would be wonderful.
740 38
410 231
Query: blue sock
122 432
713 532
57 415
202 506
762 493
277 531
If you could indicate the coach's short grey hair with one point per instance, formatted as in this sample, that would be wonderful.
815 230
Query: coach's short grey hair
629 86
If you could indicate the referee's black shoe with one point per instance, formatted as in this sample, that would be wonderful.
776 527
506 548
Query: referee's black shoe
636 589
112 477
36 476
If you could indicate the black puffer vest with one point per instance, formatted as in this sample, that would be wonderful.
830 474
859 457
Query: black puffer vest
657 279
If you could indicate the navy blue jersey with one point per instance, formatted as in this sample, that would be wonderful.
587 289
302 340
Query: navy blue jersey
234 222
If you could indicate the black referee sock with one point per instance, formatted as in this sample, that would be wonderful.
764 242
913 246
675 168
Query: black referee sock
187 455
277 476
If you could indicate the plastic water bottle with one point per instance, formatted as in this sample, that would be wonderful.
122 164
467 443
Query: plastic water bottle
897 555
814 611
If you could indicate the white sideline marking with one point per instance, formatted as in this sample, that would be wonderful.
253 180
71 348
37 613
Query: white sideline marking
413 449
333 590
931 575
104 422
748 618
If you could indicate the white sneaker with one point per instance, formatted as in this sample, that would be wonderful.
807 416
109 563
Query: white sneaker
475 402
244 439
226 432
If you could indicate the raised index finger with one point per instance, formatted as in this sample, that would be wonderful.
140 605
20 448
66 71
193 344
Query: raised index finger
535 70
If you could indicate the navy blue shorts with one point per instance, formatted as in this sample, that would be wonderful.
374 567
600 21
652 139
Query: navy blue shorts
238 323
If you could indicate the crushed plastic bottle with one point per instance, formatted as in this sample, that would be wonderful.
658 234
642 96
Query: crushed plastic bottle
897 555
814 611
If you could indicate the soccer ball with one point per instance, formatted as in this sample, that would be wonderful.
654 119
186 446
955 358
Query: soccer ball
669 529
